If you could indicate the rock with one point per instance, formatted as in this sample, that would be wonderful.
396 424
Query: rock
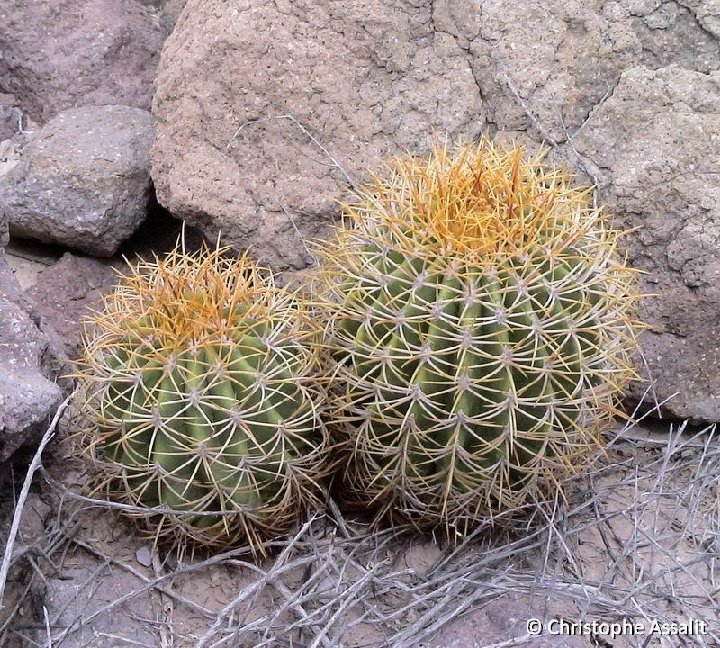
11 151
169 10
4 229
543 67
83 181
27 397
10 121
654 146
373 79
64 293
28 260
66 53
4 235
172 8
144 556
243 87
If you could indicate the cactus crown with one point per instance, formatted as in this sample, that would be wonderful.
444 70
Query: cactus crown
182 300
477 204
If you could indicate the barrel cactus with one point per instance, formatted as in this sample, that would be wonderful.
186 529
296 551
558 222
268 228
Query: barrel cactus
482 326
203 402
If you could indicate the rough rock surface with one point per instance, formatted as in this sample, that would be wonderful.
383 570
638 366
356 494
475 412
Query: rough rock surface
66 53
376 78
66 290
239 82
4 226
10 117
654 147
543 66
27 397
83 181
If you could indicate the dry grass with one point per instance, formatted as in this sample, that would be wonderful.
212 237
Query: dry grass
640 539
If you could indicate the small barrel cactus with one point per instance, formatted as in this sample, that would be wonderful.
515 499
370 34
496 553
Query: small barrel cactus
482 326
203 401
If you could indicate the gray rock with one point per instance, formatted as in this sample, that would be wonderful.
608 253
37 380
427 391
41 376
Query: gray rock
10 121
83 181
66 53
27 397
11 151
654 146
364 79
371 79
4 230
64 293
543 66
9 157
168 10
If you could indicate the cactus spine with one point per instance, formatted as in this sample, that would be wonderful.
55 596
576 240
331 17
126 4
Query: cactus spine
202 396
482 326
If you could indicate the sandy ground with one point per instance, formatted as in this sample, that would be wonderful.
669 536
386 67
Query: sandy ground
636 544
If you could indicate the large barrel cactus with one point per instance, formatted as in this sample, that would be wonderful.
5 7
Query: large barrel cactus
482 325
203 401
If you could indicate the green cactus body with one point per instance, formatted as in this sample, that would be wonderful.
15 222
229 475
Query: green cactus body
207 401
479 347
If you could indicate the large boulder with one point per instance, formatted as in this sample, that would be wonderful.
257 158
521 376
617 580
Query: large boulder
83 181
654 147
543 66
66 53
263 107
27 397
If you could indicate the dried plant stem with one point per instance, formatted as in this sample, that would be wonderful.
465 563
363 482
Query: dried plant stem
17 516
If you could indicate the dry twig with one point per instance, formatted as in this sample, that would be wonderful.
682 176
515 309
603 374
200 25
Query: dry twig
34 465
